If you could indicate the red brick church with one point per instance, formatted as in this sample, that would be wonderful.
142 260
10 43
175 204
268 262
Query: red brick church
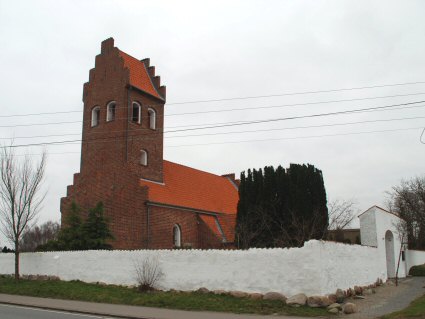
150 202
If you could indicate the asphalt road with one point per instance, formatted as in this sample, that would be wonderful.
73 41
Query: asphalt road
20 312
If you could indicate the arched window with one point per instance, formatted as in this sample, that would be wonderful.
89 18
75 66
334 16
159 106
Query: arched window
152 119
95 116
110 111
136 113
177 236
143 158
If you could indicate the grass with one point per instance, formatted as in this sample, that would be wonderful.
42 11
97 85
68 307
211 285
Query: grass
415 310
77 290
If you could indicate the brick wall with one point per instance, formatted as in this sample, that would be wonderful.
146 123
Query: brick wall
194 233
110 168
110 153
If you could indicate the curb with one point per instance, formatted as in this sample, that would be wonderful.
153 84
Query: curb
71 310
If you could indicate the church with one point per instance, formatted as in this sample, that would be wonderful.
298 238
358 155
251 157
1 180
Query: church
150 203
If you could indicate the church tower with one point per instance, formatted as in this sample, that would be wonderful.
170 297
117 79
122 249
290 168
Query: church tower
122 144
123 117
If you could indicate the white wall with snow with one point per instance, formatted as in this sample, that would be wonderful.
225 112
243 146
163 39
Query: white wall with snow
317 268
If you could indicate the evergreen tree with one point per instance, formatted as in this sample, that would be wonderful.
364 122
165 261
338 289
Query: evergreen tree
93 233
281 208
95 230
71 236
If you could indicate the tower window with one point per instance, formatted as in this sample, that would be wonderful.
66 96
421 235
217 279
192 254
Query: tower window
136 114
152 119
110 111
177 236
95 116
143 158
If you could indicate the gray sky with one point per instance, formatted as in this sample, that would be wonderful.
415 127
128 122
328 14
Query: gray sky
207 50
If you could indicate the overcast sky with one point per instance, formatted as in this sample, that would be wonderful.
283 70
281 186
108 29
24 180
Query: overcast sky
206 50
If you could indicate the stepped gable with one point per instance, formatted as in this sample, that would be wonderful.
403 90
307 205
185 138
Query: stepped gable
142 76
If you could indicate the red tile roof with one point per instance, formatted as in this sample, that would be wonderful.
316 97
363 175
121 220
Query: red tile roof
188 187
139 76
212 222
228 225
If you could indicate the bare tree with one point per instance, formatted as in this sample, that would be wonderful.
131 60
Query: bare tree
341 213
38 235
294 230
148 273
20 198
248 229
407 200
401 228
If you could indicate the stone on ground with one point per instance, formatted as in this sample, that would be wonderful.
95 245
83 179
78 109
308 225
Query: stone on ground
332 298
335 305
203 290
255 296
297 300
238 294
333 310
340 296
318 301
349 308
274 296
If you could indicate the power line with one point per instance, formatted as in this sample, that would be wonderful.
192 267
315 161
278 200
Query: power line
241 98
297 93
37 114
293 104
297 127
125 118
39 124
230 132
38 136
297 117
297 137
272 139
370 109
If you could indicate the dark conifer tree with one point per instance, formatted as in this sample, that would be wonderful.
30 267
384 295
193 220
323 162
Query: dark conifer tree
93 233
95 230
281 208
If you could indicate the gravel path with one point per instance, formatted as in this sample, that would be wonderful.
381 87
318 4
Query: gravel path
389 299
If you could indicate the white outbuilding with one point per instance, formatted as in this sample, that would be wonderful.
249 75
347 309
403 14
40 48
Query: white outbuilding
380 228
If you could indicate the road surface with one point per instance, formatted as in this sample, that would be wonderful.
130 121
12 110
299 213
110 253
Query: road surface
20 312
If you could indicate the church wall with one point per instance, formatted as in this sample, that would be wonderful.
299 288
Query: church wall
194 234
140 136
123 200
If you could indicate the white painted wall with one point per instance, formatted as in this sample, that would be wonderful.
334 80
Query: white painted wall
382 221
414 257
368 228
317 268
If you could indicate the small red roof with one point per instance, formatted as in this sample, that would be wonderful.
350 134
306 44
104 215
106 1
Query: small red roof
139 76
212 222
191 188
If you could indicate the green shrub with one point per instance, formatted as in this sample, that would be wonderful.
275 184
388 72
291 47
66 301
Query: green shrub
418 270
